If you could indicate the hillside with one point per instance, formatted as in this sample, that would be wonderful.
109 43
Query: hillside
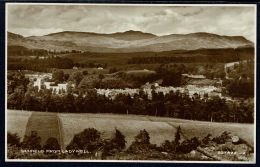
182 56
159 128
127 42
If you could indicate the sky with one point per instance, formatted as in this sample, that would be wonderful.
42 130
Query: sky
40 19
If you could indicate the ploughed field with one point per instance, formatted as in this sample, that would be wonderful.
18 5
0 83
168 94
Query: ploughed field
64 126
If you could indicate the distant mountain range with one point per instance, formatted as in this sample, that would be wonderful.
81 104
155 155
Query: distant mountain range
127 42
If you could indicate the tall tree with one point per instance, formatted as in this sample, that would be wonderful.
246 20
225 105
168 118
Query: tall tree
76 77
58 75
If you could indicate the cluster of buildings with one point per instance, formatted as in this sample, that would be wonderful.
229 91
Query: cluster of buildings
38 81
113 92
194 76
38 75
190 90
57 88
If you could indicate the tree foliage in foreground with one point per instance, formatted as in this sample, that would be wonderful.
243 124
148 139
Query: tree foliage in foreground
118 140
89 139
13 139
52 143
140 149
32 142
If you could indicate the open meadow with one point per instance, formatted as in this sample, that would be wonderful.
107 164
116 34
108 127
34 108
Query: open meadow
17 121
130 126
201 129
89 70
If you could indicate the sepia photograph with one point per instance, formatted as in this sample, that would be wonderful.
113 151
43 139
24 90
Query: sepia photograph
130 83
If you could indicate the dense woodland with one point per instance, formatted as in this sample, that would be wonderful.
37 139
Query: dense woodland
199 56
19 58
42 65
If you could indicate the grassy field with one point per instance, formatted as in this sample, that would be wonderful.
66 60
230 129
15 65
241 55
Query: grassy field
17 121
159 128
129 125
139 73
201 129
89 70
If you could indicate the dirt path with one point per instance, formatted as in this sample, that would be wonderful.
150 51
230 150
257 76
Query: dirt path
45 124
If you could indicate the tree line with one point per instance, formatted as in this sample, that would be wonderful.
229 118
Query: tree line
183 59
172 104
85 99
18 50
41 65
49 62
195 56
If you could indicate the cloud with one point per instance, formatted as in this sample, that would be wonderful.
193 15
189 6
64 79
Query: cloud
160 20
200 10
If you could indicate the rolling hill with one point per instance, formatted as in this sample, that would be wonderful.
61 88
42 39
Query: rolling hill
127 42
159 128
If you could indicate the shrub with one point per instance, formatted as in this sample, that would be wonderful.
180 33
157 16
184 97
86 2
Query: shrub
32 142
177 136
168 146
206 139
171 146
222 139
118 140
188 145
52 144
141 143
143 137
115 145
89 139
13 139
